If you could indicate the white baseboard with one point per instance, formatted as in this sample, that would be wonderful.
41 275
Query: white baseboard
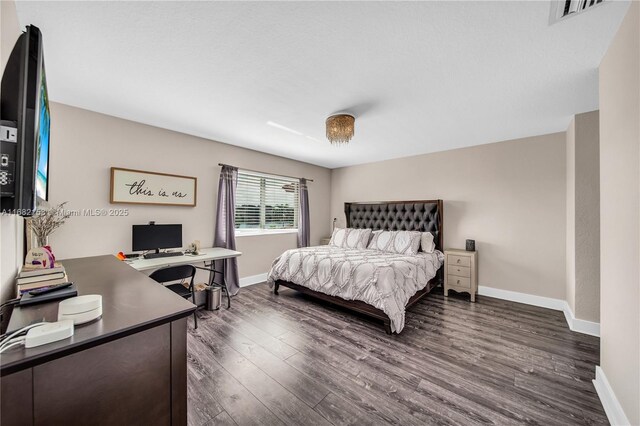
581 326
577 325
611 405
253 279
527 299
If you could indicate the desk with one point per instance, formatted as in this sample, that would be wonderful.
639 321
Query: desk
206 256
111 371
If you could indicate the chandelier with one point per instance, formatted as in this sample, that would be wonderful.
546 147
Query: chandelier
340 128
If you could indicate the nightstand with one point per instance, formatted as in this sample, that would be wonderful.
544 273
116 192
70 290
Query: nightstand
461 272
325 241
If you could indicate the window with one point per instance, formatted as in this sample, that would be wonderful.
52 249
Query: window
266 203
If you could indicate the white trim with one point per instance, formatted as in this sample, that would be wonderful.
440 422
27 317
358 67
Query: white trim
254 232
577 325
527 299
253 279
611 405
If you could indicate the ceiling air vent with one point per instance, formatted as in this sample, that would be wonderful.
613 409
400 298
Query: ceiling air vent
563 9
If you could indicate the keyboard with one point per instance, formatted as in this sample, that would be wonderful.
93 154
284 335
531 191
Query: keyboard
165 254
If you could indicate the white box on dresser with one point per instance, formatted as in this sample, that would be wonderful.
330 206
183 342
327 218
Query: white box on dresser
461 272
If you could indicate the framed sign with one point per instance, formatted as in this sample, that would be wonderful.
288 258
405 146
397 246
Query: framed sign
140 187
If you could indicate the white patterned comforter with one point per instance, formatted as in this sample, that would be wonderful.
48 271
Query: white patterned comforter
384 280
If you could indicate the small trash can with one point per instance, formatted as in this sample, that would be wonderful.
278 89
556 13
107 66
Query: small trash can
213 298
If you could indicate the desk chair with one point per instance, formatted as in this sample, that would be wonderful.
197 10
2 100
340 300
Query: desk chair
175 273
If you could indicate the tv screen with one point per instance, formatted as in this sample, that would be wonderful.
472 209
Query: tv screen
42 142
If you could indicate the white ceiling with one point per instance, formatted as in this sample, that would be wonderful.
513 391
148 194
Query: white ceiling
419 77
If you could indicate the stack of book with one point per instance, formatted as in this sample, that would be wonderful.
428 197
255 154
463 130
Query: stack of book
30 279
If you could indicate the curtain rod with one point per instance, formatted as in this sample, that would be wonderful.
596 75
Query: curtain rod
265 173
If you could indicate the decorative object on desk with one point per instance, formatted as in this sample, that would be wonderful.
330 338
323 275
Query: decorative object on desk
40 257
471 245
193 248
139 187
45 221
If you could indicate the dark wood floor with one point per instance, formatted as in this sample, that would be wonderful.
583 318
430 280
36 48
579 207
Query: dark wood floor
274 360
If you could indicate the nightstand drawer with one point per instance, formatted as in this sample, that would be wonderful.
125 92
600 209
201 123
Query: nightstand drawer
459 271
458 260
454 281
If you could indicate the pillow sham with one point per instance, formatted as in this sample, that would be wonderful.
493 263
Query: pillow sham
426 242
401 242
352 238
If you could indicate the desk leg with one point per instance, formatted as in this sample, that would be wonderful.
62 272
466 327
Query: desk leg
212 272
226 289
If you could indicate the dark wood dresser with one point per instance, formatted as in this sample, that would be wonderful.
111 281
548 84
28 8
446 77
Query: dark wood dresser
127 368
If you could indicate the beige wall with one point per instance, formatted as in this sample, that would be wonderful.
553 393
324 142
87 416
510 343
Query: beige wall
84 145
583 216
508 196
620 214
570 266
10 226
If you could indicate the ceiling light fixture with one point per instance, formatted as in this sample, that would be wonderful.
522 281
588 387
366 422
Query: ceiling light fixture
340 128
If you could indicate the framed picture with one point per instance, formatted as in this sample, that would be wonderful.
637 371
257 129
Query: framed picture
139 187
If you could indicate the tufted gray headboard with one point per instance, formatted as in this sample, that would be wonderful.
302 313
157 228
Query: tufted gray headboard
421 215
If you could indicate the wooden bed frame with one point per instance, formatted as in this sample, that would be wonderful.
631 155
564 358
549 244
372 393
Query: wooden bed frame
386 224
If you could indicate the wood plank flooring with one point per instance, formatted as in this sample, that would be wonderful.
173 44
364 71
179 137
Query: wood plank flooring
290 360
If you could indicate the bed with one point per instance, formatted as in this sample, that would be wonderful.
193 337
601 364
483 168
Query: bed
377 284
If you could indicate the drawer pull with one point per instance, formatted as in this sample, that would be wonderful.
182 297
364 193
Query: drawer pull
460 282
459 260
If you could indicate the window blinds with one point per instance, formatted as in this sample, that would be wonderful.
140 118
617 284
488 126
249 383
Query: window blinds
266 201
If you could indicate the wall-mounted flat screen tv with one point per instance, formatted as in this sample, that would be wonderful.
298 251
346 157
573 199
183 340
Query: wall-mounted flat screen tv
24 101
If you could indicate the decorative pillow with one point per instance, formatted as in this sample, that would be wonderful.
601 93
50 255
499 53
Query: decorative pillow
426 242
350 238
401 242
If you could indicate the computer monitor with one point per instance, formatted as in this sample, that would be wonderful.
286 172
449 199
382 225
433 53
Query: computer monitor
156 237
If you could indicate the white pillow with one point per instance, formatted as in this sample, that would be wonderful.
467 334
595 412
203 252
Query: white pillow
401 242
426 242
350 238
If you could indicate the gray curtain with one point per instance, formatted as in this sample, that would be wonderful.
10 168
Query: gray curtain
225 232
303 220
